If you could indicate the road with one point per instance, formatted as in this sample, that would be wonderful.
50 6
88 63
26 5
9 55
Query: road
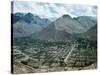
72 49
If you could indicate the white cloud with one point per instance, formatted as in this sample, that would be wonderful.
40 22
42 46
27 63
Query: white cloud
53 10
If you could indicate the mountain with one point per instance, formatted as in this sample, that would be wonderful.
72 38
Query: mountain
25 24
73 25
52 34
63 29
16 17
91 34
23 29
86 21
30 18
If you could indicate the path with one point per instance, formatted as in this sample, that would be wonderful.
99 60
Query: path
72 49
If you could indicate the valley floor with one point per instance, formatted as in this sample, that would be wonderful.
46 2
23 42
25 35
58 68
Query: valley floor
34 56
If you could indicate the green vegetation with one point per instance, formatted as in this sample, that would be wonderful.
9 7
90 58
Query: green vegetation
38 54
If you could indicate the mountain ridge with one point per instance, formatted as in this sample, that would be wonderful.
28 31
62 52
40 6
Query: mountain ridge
62 29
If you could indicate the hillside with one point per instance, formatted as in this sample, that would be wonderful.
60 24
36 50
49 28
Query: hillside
91 34
64 28
52 34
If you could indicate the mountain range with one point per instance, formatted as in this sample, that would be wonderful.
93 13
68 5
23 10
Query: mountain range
25 24
64 28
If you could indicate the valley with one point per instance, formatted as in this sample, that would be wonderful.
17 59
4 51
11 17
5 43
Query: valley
48 56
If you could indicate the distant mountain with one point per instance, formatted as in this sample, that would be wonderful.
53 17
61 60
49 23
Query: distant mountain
86 21
62 29
73 25
23 29
25 24
69 24
16 17
30 18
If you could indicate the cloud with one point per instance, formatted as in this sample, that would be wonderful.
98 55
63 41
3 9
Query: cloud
48 10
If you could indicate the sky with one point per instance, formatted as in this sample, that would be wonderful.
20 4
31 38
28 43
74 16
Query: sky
50 10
